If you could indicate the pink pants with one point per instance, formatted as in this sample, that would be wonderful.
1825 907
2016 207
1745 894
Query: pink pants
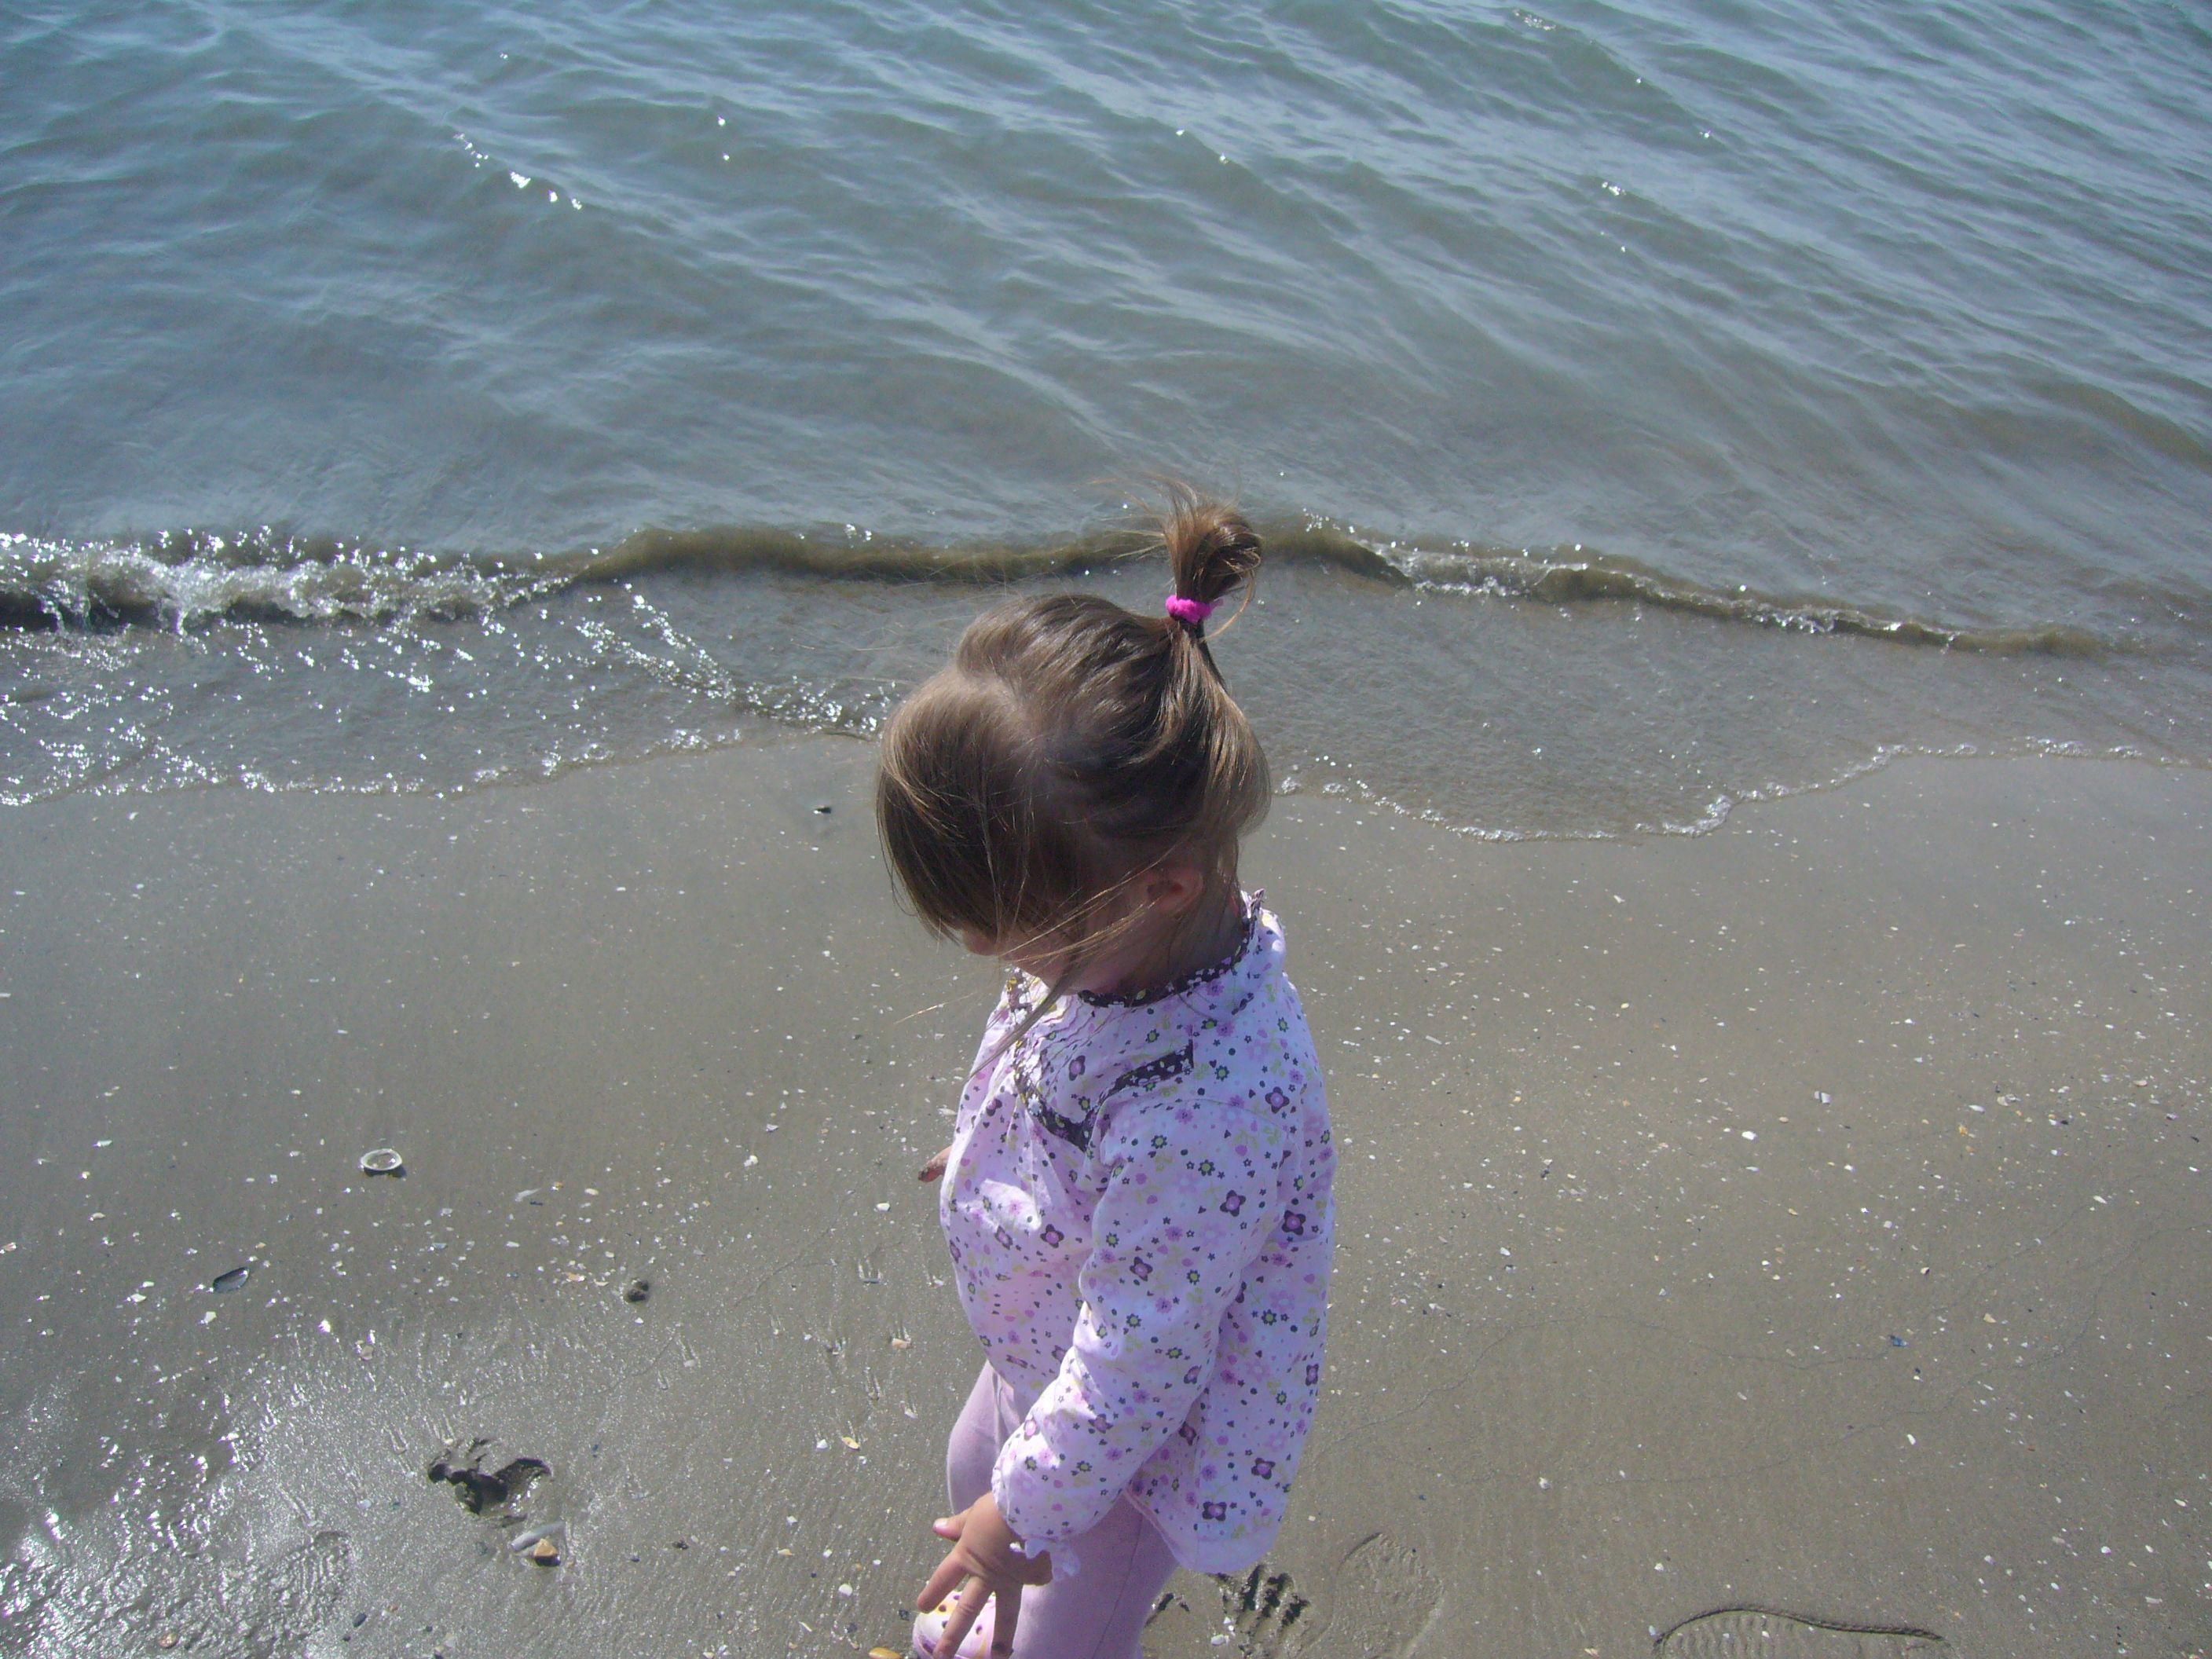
1123 1562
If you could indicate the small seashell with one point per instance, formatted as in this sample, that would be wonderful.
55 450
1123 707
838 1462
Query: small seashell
229 1281
637 1290
544 1552
382 1161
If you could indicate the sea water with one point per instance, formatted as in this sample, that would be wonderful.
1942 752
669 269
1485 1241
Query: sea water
1650 405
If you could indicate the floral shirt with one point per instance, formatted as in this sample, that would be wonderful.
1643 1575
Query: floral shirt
1138 1209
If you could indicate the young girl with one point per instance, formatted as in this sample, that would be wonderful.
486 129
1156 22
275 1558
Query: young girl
1137 1195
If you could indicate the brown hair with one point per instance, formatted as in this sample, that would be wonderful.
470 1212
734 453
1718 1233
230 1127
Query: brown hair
1070 745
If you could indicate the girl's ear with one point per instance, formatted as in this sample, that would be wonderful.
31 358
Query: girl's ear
1174 887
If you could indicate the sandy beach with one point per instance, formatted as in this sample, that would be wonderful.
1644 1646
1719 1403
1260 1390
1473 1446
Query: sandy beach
1810 1216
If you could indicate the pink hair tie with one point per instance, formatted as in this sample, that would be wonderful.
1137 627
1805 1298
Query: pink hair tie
1189 612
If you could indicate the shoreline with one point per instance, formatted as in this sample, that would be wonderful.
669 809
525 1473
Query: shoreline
1678 1268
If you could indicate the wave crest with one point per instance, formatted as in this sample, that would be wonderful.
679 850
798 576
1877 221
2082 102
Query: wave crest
182 580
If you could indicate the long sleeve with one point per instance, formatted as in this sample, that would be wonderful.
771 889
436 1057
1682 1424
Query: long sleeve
1188 1200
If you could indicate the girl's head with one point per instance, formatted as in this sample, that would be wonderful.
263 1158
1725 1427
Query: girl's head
1079 772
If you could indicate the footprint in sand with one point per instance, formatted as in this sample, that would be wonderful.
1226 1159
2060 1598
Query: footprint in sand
304 1585
1740 1632
1263 1612
277 1609
1381 1602
1384 1602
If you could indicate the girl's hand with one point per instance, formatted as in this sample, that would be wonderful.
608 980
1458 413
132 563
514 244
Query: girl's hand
981 1564
934 1169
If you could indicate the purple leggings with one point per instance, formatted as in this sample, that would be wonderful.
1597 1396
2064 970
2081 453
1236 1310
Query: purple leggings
1123 1562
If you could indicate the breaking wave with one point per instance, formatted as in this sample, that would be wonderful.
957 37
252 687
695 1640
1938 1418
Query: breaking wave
182 580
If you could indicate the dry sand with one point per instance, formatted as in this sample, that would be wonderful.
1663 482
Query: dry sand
1811 1217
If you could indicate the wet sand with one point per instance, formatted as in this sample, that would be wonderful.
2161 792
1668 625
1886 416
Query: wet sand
1811 1217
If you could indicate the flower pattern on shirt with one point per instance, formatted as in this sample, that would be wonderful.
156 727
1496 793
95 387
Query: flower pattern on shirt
1139 1214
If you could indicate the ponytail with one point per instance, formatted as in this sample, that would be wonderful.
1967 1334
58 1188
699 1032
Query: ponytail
1213 550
